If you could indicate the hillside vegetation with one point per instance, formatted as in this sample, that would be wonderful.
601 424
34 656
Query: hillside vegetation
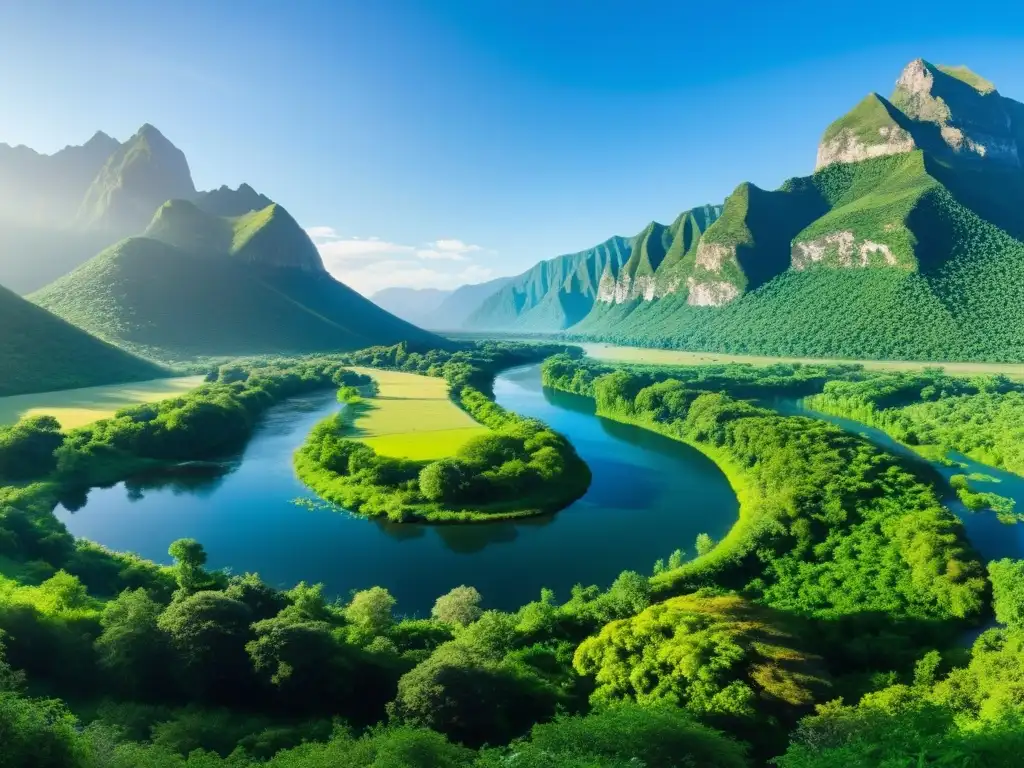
40 352
198 284
905 243
58 211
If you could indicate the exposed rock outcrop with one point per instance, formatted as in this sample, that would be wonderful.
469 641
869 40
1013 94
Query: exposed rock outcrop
973 119
710 293
847 147
840 249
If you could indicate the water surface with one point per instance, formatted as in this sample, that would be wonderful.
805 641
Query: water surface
650 495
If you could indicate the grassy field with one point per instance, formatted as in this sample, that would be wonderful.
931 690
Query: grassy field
76 407
615 353
412 417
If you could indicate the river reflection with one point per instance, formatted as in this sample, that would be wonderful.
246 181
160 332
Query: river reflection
650 495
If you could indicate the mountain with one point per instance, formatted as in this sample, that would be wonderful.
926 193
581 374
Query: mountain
142 174
907 242
415 305
198 284
436 309
225 201
40 352
57 211
46 190
456 309
558 293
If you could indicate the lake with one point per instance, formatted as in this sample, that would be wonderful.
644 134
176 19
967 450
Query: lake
650 495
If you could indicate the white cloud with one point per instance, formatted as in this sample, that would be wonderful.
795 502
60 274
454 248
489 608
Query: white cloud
369 264
455 246
322 233
431 254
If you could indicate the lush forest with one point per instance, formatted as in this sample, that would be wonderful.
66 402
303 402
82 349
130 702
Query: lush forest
980 417
519 468
823 630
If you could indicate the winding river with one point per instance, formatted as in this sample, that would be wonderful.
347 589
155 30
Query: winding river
649 496
991 538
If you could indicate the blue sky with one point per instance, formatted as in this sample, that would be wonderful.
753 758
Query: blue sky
438 142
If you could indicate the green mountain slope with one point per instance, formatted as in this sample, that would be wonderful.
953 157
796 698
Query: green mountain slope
559 293
57 211
202 285
225 201
554 294
906 242
40 352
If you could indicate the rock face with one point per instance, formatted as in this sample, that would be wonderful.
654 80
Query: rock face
847 147
972 117
713 293
841 249
871 129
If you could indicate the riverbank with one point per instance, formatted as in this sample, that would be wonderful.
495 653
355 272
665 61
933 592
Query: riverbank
652 356
507 469
813 500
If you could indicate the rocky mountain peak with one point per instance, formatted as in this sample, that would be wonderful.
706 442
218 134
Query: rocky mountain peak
973 120
939 109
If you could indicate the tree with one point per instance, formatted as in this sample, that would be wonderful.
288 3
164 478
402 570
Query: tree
65 591
629 594
704 544
209 630
461 606
1007 577
27 448
621 736
445 480
132 648
38 732
264 601
190 557
471 699
303 661
370 612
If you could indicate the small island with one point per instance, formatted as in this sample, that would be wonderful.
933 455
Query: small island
420 439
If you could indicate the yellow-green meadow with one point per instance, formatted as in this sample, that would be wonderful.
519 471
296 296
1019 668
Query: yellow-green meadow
77 407
412 417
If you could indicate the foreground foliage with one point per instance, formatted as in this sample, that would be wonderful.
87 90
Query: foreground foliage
844 578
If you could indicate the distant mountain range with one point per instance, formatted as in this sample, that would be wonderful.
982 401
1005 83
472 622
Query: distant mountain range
906 242
57 211
200 284
437 309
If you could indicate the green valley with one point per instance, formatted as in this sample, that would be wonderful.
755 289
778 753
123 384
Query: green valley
353 485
